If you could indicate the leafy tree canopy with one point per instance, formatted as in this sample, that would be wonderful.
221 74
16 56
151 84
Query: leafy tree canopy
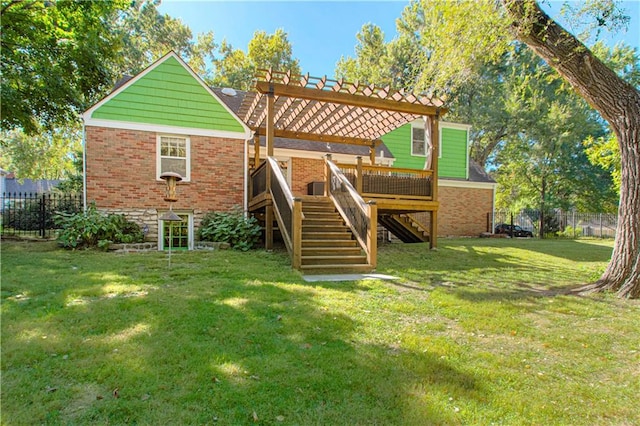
56 59
236 69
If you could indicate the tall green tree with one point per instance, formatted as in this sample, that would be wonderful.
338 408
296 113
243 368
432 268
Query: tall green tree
56 59
618 101
235 68
45 154
147 35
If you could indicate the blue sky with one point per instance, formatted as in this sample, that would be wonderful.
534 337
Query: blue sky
320 31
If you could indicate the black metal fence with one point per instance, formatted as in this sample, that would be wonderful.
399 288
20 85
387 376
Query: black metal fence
33 214
559 223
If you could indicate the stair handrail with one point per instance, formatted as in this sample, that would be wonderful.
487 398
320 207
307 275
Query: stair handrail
360 216
288 211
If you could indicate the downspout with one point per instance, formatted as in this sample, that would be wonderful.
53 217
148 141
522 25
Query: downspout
84 166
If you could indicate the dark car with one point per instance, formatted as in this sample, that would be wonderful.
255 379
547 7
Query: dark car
504 228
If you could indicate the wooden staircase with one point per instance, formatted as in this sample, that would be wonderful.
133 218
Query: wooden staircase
328 245
404 227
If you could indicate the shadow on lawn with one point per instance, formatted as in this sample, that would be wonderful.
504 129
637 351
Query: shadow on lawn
202 344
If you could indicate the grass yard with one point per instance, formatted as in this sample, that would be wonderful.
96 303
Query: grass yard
479 332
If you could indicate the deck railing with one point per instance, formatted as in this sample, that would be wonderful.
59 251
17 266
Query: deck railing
388 182
359 215
288 212
258 181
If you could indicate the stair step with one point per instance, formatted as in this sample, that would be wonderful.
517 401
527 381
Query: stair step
335 269
334 260
331 251
314 221
324 228
310 243
326 235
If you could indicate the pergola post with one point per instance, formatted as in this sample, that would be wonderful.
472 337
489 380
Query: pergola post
435 149
372 154
256 151
268 238
359 175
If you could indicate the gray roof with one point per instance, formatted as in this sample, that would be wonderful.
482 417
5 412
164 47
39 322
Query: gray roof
13 185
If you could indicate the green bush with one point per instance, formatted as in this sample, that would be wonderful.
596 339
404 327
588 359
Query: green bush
569 232
93 229
241 232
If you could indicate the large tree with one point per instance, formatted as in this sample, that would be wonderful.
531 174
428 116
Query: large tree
619 103
236 69
56 59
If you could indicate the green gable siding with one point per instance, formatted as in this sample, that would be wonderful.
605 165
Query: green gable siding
399 143
169 95
452 163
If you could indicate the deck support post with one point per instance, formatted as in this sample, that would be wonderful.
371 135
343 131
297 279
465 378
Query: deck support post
372 234
372 154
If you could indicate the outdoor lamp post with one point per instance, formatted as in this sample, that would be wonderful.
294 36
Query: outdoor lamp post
171 179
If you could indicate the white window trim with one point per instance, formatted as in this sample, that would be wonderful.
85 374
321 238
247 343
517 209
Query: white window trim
159 137
161 228
415 125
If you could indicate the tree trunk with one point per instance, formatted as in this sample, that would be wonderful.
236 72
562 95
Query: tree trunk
619 103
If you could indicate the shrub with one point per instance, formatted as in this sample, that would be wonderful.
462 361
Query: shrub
93 229
241 232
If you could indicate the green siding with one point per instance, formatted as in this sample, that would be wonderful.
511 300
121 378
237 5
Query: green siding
169 95
452 163
399 143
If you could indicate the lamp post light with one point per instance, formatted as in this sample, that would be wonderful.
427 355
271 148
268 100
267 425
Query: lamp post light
171 179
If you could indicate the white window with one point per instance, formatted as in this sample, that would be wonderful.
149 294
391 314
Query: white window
174 156
418 141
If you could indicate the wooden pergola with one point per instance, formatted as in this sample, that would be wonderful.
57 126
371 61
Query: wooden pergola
320 109
334 111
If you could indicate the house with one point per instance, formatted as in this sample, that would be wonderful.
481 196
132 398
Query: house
267 151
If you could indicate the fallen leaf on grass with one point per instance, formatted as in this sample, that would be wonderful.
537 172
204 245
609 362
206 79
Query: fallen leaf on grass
50 389
116 393
255 416
145 397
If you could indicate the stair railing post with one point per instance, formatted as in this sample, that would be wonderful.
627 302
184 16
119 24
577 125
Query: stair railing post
372 234
297 233
327 175
359 175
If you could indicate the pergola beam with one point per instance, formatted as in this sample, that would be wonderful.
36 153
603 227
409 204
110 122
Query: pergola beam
290 134
279 89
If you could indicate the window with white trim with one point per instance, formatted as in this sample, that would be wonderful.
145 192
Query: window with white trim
418 141
174 156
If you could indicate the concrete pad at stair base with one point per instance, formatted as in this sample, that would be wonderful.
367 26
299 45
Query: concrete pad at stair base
347 277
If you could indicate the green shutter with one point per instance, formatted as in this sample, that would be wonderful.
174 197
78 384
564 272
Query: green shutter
169 95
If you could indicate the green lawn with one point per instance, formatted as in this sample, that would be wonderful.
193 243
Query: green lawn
479 332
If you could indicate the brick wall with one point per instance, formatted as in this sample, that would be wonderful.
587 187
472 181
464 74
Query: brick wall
121 173
463 211
304 171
